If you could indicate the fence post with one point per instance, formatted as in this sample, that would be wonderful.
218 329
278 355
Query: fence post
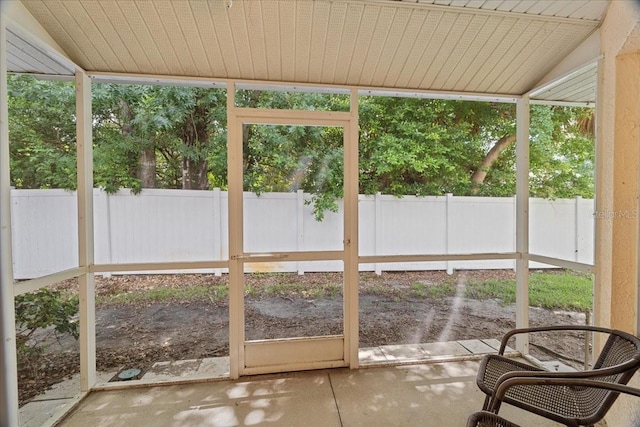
109 227
447 221
377 229
577 225
217 229
515 214
300 227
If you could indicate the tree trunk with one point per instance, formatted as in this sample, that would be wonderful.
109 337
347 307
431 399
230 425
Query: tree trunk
195 135
481 173
147 168
146 172
194 174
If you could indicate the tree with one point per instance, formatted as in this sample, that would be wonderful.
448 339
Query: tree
425 147
198 119
42 133
175 137
126 128
291 158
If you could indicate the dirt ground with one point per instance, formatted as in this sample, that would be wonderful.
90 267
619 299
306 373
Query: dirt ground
136 335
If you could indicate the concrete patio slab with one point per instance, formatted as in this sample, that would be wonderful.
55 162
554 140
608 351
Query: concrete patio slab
444 349
407 352
44 407
477 346
294 399
371 355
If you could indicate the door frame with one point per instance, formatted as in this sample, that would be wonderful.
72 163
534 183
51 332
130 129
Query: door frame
270 356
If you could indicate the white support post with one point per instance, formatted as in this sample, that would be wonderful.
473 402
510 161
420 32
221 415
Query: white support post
109 236
351 267
378 229
578 226
217 229
8 358
236 266
300 227
599 205
522 221
449 202
85 231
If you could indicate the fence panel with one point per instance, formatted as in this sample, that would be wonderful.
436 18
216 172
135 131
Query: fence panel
481 225
185 225
44 232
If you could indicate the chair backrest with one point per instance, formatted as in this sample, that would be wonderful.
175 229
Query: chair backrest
621 350
488 419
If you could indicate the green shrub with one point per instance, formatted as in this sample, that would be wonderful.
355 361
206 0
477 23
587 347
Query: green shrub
43 309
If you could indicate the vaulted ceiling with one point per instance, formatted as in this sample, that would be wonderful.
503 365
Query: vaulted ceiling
471 46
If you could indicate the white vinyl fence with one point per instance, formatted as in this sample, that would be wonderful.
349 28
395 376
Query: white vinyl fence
184 225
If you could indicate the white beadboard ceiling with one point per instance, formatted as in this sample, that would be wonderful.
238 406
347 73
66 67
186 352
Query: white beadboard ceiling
494 46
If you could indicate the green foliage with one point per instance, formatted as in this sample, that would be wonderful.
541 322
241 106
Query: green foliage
176 137
216 293
423 147
547 290
42 133
43 309
504 290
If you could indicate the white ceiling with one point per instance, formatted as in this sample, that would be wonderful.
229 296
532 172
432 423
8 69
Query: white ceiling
474 46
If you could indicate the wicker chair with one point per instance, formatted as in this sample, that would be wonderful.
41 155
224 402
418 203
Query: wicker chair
562 386
488 419
616 364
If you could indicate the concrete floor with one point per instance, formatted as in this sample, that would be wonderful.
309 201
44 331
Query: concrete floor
436 394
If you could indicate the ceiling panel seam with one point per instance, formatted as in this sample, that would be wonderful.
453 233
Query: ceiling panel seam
532 61
413 30
360 11
319 24
25 49
255 36
226 43
369 14
178 38
197 35
439 40
139 30
515 50
479 41
401 19
93 35
202 16
560 54
430 24
121 45
139 54
161 37
302 64
335 39
62 31
455 56
273 45
504 44
469 10
377 43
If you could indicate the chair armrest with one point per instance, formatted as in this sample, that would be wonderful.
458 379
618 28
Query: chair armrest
577 375
503 387
579 328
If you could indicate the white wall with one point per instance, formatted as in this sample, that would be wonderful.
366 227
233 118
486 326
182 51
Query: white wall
181 225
